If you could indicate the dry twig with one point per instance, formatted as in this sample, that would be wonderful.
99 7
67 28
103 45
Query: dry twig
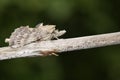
50 47
29 42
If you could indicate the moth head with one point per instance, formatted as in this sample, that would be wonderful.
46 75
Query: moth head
59 33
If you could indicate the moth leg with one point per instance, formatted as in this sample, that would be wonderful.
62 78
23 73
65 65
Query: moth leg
48 37
54 54
55 36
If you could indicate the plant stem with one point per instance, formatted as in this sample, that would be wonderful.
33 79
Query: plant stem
45 48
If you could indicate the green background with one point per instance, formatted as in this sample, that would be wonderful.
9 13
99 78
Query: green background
79 18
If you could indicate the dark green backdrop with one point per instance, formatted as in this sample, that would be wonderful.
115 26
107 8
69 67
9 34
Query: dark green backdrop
79 18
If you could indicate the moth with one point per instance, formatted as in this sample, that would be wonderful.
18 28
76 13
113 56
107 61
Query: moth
26 35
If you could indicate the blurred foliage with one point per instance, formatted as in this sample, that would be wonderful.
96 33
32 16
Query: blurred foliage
79 18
